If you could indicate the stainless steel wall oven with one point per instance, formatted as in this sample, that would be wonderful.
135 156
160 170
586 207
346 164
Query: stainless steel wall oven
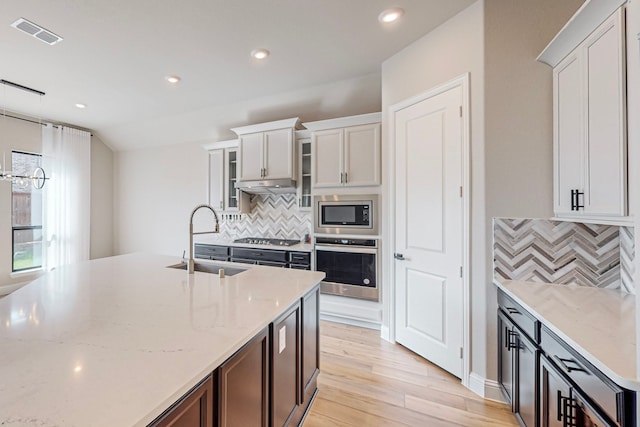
351 266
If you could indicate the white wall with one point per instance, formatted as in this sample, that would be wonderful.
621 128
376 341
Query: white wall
156 189
497 42
101 199
518 123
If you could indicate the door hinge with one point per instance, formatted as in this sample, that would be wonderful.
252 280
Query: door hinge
460 110
461 272
460 352
461 191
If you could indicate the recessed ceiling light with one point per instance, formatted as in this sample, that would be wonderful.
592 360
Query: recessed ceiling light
391 15
260 53
173 79
79 105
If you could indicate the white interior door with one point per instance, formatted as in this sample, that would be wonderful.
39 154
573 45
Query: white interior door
429 229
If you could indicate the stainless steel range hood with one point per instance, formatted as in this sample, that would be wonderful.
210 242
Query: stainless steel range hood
270 186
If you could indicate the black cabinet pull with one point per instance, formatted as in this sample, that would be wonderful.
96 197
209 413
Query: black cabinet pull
576 205
512 340
559 405
512 310
565 364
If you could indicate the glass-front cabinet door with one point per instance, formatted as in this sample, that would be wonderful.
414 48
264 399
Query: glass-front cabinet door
231 162
304 191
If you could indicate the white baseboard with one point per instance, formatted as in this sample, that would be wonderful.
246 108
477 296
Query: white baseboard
351 311
488 389
349 321
385 334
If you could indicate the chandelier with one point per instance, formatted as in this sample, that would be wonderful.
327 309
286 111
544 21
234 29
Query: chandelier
38 177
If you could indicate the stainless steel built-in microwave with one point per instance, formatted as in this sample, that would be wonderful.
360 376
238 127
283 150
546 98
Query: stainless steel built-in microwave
346 214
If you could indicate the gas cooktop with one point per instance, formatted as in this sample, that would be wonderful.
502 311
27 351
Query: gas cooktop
262 241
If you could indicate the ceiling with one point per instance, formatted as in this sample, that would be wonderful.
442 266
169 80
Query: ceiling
325 61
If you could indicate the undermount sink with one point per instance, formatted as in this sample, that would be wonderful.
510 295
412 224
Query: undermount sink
209 268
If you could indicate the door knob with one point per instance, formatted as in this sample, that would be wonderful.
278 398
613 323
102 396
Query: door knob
399 256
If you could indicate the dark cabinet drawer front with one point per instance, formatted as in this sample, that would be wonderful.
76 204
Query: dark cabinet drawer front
520 317
211 252
259 254
300 258
591 381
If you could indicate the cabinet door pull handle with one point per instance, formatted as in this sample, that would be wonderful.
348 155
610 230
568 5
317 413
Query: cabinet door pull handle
346 179
559 405
576 205
512 310
579 205
564 363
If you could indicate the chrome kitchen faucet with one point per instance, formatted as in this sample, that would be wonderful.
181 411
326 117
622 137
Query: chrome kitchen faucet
191 233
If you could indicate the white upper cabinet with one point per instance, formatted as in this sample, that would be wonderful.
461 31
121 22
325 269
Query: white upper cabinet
327 158
267 150
223 196
346 151
251 152
362 155
589 105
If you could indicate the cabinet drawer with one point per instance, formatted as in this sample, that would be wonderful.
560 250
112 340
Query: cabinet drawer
301 258
520 317
259 254
609 397
211 252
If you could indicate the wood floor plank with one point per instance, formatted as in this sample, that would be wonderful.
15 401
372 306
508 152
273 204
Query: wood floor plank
366 381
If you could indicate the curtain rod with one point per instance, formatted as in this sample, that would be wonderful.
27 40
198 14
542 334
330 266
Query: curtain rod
33 121
25 120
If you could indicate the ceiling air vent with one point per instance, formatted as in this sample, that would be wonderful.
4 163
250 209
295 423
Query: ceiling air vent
36 31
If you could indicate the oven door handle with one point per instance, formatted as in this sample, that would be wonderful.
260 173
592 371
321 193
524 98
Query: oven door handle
346 248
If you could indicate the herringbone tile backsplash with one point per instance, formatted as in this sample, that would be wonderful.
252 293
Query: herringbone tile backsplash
272 216
542 250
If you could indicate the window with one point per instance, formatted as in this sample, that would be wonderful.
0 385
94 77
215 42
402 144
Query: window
26 214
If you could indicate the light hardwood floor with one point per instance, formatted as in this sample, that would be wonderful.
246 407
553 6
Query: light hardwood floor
366 381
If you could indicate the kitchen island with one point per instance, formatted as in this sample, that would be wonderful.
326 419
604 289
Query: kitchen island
117 341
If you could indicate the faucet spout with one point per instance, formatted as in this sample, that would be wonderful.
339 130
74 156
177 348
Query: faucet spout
191 233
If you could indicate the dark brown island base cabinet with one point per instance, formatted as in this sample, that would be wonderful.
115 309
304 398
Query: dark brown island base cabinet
547 382
195 409
270 382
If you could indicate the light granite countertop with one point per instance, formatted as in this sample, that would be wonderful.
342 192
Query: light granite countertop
598 323
116 341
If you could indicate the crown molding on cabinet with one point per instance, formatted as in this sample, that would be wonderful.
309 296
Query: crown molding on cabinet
262 127
591 14
231 143
362 119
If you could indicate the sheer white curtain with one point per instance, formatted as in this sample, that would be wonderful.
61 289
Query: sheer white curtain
66 158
